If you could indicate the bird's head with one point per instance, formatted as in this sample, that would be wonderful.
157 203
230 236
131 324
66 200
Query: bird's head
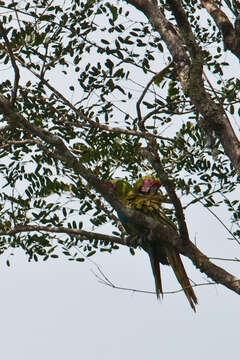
149 185
120 187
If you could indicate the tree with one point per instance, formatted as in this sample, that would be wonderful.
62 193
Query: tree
90 90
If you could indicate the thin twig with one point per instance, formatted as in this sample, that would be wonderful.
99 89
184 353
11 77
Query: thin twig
224 259
138 105
216 95
4 128
87 120
18 143
82 234
84 38
105 281
219 220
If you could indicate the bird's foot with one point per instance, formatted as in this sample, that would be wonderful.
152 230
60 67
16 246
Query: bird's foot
134 241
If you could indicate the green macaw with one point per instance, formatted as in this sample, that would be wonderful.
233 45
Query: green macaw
121 188
146 197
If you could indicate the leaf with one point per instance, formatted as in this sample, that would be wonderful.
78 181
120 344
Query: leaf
91 253
113 10
132 251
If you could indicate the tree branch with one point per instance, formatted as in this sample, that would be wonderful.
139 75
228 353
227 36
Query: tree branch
81 234
103 279
213 271
14 65
200 260
230 39
157 165
160 231
18 142
142 120
87 121
185 29
170 187
190 76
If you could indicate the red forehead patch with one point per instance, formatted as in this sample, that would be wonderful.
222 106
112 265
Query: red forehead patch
148 183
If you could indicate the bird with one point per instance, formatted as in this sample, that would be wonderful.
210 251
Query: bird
145 196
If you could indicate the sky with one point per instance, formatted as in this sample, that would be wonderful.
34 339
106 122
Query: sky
59 310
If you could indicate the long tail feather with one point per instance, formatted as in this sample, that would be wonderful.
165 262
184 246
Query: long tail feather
156 273
180 272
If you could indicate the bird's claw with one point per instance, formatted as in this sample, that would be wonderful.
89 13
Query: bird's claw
134 241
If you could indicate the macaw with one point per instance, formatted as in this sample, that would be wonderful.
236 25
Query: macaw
146 197
124 190
121 188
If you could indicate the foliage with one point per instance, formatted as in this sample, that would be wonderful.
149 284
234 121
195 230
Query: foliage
90 74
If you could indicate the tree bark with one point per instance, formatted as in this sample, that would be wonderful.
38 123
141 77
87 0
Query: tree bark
189 68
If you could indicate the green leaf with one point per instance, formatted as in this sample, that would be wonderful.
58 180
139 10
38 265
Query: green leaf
91 253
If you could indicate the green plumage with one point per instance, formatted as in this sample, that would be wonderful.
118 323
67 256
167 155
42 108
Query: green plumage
122 188
145 197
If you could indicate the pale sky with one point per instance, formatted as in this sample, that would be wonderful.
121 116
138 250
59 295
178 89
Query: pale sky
58 310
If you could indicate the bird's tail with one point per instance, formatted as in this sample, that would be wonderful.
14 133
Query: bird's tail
156 273
180 272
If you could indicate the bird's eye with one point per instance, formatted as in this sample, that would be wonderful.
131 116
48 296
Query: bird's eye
145 190
154 188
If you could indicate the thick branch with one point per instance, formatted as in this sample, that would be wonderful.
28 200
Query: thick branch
213 271
230 39
190 76
185 29
157 165
169 35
